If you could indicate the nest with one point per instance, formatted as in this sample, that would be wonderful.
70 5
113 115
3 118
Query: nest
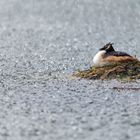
128 71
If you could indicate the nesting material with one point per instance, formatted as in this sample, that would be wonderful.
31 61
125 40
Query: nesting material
128 71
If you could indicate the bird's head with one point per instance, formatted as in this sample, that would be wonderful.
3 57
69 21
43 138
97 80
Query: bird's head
108 47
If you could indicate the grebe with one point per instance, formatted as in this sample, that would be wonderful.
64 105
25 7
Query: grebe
108 56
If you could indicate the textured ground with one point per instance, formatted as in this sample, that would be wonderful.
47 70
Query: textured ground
42 42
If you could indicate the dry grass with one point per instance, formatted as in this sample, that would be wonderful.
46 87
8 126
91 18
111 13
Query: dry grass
124 71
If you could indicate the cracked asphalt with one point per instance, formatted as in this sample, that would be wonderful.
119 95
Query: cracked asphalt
42 42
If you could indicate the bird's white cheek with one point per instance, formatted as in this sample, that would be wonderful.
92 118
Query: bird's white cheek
98 57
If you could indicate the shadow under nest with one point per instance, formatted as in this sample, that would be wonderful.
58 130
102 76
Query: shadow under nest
123 71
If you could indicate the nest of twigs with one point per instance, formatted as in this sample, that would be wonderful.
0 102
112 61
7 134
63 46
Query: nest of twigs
128 71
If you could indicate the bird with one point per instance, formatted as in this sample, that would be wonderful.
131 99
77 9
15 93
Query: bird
107 56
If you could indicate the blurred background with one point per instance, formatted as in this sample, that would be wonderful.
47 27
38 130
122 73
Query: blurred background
42 42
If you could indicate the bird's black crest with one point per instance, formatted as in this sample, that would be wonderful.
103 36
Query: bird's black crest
108 47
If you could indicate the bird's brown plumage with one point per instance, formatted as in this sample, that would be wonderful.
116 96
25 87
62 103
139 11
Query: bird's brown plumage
120 59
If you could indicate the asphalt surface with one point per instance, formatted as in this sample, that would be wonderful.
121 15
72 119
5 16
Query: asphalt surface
42 42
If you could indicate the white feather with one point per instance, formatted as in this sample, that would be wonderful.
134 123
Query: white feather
97 60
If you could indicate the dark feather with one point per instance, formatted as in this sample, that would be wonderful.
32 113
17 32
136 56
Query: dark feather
117 53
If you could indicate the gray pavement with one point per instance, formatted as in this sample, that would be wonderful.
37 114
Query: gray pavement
42 42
